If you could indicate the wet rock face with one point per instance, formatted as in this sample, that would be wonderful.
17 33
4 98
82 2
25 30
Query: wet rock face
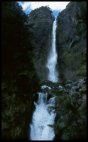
40 26
71 41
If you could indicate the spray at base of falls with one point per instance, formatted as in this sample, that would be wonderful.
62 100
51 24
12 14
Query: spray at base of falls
43 115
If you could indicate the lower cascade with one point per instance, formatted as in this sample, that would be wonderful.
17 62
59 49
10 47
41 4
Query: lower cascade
43 117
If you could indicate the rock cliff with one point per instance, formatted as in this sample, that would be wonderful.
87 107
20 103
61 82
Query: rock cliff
71 47
39 25
25 44
71 41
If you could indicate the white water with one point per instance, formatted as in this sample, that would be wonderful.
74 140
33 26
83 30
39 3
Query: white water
43 115
52 59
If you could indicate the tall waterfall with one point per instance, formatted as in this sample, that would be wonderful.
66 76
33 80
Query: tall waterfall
43 117
52 59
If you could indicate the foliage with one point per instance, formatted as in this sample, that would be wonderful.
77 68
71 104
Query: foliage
71 112
15 110
19 79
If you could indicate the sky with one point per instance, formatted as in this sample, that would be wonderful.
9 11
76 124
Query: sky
53 5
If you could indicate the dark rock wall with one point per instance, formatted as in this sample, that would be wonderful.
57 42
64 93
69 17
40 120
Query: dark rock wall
71 48
71 41
19 78
25 44
40 26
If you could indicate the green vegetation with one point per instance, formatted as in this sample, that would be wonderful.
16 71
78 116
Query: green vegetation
71 108
71 111
19 79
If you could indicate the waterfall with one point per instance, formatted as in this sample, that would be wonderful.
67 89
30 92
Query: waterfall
52 59
44 115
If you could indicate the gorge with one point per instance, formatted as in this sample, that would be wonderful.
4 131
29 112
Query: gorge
43 81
